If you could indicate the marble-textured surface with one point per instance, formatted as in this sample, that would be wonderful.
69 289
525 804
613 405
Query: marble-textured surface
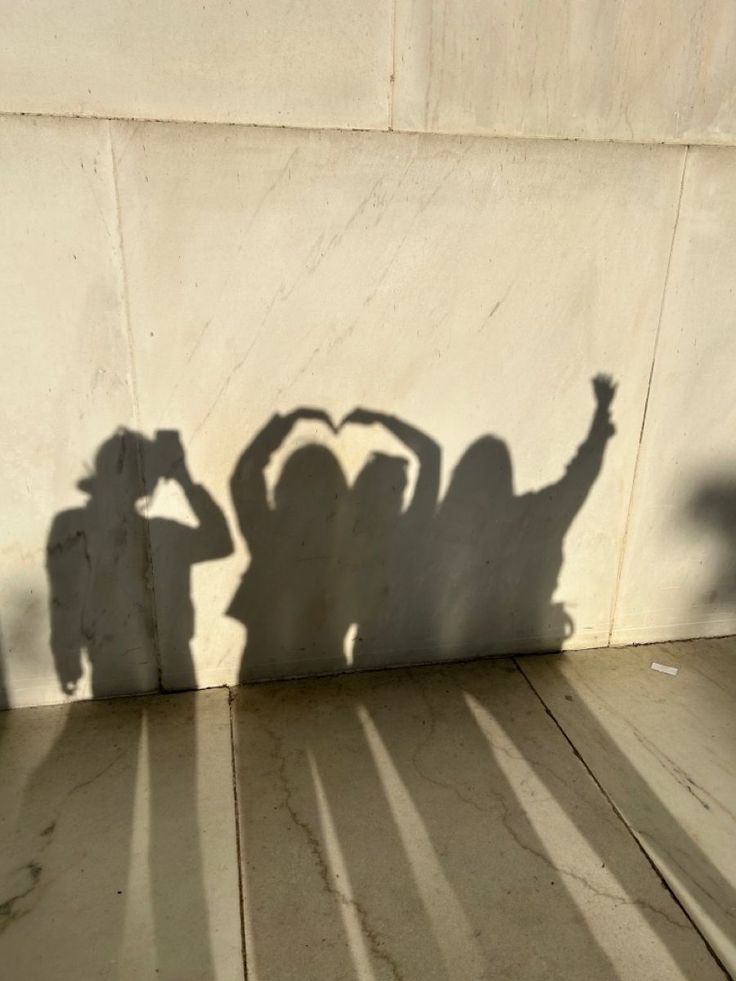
118 841
679 573
435 823
638 70
662 748
315 63
64 389
467 286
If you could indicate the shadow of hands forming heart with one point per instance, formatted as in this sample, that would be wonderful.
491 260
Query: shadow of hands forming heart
361 417
314 415
353 441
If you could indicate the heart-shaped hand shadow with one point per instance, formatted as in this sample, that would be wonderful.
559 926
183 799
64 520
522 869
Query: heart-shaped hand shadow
353 442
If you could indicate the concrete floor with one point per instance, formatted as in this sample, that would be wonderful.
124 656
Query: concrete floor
567 816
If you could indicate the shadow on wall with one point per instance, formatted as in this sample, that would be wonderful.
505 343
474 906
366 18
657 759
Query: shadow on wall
339 576
329 563
100 580
713 508
99 558
344 577
4 701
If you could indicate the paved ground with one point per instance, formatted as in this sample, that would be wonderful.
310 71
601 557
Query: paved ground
557 817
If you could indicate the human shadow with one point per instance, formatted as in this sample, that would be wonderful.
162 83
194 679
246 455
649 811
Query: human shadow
364 767
288 600
100 579
497 555
353 577
381 570
326 558
712 507
119 598
386 547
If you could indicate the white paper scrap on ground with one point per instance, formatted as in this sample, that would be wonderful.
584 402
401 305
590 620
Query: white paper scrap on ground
664 668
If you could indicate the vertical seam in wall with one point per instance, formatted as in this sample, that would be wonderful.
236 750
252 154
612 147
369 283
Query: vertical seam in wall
236 806
392 76
133 383
632 492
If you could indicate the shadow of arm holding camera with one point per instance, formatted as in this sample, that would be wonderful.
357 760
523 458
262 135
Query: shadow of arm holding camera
211 538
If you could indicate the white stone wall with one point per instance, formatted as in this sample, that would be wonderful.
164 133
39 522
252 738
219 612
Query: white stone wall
455 213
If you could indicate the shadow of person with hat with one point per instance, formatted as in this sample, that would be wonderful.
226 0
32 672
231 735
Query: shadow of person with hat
135 633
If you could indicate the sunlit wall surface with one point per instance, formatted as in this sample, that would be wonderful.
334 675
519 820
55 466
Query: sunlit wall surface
287 398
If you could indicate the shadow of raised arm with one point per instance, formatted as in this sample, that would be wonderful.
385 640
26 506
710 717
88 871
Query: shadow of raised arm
248 483
570 492
424 448
210 539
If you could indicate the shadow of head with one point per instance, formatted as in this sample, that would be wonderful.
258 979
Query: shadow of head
116 469
129 465
311 484
482 478
379 488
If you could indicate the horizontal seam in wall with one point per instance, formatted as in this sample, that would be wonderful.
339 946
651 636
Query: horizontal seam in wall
392 131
